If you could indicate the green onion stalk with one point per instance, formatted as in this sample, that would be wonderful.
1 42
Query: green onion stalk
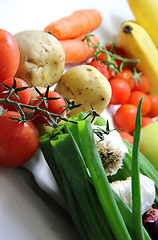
97 212
136 194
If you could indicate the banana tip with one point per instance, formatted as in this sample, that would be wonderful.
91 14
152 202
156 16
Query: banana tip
127 29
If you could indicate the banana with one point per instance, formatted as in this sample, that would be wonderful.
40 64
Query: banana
146 14
137 44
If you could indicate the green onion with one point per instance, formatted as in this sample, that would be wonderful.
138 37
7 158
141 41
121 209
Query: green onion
100 181
76 189
136 193
97 212
93 207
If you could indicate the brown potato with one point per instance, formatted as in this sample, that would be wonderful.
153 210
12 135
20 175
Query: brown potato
42 58
85 84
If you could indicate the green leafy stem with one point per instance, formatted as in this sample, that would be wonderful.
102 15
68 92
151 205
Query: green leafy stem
111 57
53 119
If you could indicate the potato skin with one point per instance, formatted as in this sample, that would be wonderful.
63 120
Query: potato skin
42 58
85 84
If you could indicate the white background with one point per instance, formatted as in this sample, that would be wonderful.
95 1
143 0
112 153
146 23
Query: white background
18 15
23 215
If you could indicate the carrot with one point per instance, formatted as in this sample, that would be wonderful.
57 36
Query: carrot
79 22
77 49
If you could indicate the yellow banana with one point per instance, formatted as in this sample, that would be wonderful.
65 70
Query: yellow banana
137 44
146 14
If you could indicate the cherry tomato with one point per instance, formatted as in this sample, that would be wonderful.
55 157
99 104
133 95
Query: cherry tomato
146 121
116 50
9 55
18 141
23 96
125 117
127 74
127 137
154 106
110 71
142 85
54 106
135 98
120 91
100 67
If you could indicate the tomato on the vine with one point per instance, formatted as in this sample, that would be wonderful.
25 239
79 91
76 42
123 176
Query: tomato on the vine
143 84
9 55
113 49
120 91
19 96
127 75
55 106
18 140
125 117
100 67
135 98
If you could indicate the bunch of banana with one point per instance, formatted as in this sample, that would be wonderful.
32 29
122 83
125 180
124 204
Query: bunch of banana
146 14
138 44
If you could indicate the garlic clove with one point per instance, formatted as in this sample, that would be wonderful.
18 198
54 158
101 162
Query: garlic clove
123 190
111 149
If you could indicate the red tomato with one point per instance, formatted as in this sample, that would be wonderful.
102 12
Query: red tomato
142 85
18 141
120 91
127 137
154 106
135 98
24 95
116 50
54 106
9 55
100 67
127 74
146 121
125 117
110 71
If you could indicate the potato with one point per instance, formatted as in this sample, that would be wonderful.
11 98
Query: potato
42 58
85 84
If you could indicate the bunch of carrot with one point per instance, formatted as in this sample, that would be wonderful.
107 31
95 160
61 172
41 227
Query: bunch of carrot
70 31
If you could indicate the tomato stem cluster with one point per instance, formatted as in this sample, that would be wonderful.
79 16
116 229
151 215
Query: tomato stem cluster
100 132
111 56
53 120
13 90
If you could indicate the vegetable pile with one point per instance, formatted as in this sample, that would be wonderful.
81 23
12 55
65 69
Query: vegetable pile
108 177
128 87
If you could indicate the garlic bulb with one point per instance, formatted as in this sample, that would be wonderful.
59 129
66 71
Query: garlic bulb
111 149
123 190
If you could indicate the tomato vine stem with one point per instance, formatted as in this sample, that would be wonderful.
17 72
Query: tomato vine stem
70 105
111 56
